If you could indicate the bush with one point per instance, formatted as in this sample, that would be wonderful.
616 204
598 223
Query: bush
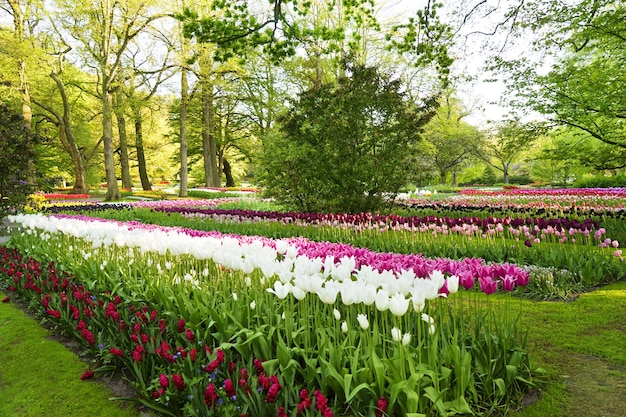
344 147
601 182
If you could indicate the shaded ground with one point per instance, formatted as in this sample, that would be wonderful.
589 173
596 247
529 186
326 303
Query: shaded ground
597 388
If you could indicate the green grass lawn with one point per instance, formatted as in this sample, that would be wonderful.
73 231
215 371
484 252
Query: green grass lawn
41 378
582 345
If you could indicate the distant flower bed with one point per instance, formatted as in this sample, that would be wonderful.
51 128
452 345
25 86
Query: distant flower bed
596 200
64 196
227 189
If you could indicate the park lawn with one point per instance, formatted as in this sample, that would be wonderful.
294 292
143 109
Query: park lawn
581 346
40 377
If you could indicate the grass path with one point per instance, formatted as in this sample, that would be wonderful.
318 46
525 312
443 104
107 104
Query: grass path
581 344
40 377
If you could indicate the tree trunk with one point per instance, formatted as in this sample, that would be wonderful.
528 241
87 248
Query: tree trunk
19 19
121 127
184 92
27 112
228 173
209 148
113 192
141 157
69 142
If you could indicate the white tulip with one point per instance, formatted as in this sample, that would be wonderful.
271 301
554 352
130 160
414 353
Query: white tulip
419 302
280 290
252 305
368 294
427 318
281 246
344 327
398 305
363 322
453 284
298 293
396 334
382 300
337 314
328 293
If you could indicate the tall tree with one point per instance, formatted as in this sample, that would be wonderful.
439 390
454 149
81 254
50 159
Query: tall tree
104 29
340 145
16 161
24 22
184 98
453 140
574 75
66 134
119 104
146 74
506 143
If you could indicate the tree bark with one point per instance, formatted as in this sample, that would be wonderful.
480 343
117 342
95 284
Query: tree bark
209 147
113 192
228 173
184 96
141 156
121 127
19 18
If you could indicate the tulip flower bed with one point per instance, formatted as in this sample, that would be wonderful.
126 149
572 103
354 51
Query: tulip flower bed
564 254
211 324
563 201
63 196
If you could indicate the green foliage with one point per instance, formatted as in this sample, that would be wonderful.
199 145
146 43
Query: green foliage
601 181
236 30
488 177
584 87
427 38
16 161
345 147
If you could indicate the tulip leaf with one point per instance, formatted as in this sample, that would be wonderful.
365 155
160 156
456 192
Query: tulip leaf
499 382
354 392
459 406
379 371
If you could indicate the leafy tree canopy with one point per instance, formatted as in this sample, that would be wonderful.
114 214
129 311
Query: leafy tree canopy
234 28
578 81
16 160
346 146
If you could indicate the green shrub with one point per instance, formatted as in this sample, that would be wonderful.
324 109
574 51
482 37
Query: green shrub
601 182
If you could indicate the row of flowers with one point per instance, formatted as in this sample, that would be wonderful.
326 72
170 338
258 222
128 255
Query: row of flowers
578 245
551 192
530 230
559 203
301 265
